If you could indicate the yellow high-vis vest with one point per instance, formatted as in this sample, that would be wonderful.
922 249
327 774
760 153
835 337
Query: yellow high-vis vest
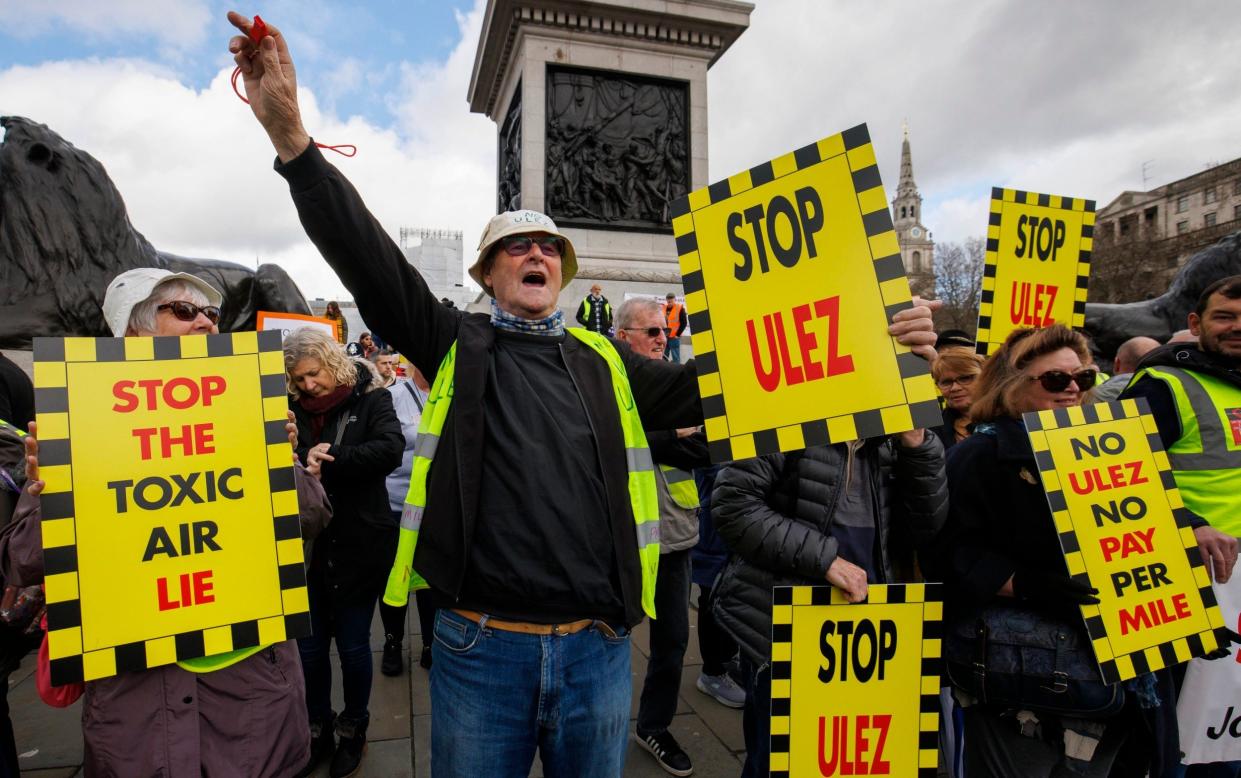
643 497
1206 459
681 486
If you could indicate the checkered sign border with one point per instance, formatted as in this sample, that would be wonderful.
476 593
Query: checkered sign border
787 598
69 663
986 301
872 205
1122 667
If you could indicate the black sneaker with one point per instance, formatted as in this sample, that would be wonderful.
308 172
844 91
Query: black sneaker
392 661
322 747
424 660
667 751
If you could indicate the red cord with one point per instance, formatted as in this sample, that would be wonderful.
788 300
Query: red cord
258 30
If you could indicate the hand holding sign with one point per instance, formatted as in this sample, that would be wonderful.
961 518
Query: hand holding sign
1219 550
915 328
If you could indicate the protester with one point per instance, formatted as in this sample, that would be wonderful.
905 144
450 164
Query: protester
715 645
238 713
829 513
365 348
675 322
342 325
1003 561
1126 362
408 400
16 395
21 608
595 312
347 429
639 323
955 370
1194 392
532 513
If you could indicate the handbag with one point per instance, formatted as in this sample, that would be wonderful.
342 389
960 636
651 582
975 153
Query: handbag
56 696
1016 657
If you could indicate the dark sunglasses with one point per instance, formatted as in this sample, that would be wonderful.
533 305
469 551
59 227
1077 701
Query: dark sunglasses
189 311
651 332
1058 380
518 245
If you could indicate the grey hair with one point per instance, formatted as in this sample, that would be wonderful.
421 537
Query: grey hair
142 316
629 310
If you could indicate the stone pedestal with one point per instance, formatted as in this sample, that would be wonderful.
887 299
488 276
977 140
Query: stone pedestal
615 91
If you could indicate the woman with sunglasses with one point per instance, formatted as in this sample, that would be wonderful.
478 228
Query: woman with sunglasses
1002 555
955 371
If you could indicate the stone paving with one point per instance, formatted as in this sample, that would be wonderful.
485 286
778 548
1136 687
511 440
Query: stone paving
49 740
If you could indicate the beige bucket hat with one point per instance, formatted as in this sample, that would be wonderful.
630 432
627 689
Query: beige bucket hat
522 223
133 286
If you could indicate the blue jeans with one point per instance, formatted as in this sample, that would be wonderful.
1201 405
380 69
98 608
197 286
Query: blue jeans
496 696
673 351
350 624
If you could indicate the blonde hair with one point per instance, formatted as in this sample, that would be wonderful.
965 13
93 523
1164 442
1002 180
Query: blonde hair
307 343
958 360
1003 374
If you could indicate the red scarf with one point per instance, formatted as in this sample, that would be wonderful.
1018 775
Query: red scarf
320 407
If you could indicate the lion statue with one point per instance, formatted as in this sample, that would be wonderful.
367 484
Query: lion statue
65 233
1110 325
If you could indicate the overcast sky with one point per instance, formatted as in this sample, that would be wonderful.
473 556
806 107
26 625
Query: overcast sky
1061 97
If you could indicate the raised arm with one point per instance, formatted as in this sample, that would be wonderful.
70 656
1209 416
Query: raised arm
391 296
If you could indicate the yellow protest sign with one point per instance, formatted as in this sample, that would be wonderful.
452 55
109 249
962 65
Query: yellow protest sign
855 688
1037 264
170 517
1125 531
791 272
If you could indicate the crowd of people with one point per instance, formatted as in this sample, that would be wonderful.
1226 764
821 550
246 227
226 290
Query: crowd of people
541 490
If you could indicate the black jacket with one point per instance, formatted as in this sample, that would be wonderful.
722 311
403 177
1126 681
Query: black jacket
776 514
354 553
395 300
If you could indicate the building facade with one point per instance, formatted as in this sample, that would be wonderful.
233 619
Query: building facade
917 248
1154 232
439 256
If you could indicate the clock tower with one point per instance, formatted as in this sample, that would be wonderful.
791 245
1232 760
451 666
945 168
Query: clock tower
917 248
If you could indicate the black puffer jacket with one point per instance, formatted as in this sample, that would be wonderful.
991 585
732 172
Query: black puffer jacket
354 554
776 514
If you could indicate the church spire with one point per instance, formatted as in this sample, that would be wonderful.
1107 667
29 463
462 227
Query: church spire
906 185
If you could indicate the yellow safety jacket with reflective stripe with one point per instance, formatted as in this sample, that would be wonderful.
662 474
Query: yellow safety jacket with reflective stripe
1206 459
643 497
681 486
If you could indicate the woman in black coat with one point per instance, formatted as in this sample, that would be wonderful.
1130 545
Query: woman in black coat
1000 550
349 432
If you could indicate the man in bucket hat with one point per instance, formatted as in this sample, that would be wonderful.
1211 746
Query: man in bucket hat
532 512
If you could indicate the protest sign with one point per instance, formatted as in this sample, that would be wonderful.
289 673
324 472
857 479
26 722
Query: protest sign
1208 711
170 516
855 687
287 322
1037 264
1125 531
791 273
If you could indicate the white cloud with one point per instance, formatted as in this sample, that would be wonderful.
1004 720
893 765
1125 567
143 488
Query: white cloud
1067 98
195 168
171 25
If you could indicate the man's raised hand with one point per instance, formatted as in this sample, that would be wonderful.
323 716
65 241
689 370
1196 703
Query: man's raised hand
271 86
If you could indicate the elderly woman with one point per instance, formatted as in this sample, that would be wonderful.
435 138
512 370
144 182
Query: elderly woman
954 371
349 433
1003 556
229 714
